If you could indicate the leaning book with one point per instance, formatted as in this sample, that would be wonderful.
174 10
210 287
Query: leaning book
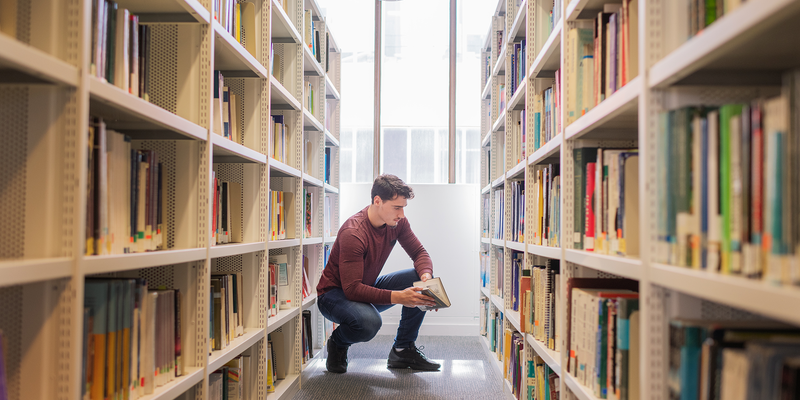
433 288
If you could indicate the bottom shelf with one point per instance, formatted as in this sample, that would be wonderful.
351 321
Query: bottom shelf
285 388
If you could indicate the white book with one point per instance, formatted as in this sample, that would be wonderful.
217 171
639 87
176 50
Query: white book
121 61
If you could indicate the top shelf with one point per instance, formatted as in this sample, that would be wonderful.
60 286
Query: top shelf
232 59
584 9
22 63
169 11
753 44
315 10
549 59
520 23
283 30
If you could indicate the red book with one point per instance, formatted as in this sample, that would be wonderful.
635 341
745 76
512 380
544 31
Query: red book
588 241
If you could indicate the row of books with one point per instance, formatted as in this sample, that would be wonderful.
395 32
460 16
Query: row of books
541 303
546 218
606 207
307 337
308 290
732 360
327 220
485 261
603 336
703 13
518 65
278 133
310 97
513 361
518 141
517 193
546 114
281 211
238 18
280 289
124 195
499 207
311 35
234 380
486 216
327 166
120 48
226 317
132 338
729 187
502 90
308 213
277 358
275 66
499 278
543 382
227 116
517 269
226 226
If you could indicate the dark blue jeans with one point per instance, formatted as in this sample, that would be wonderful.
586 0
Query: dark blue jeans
360 322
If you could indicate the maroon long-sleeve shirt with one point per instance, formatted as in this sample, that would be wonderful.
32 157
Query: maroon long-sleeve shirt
358 256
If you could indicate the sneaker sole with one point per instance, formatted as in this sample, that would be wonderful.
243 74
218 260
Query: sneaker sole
412 366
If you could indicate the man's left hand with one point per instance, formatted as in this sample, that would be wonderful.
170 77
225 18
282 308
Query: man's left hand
424 277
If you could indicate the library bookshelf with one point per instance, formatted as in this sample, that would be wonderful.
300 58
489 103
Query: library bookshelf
739 58
51 96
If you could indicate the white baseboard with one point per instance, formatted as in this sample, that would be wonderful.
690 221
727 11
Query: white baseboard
390 328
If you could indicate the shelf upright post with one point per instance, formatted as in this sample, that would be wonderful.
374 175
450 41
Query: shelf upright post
298 190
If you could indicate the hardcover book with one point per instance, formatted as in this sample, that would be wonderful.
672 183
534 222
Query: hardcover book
434 288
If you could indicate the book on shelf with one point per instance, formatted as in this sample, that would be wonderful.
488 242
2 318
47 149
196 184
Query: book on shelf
727 197
125 200
540 293
589 304
604 56
518 61
518 139
279 353
234 380
703 13
513 360
281 210
307 339
499 206
120 48
282 270
310 97
541 381
499 271
546 112
434 289
227 116
307 288
517 211
238 18
606 205
271 379
135 342
732 359
308 213
273 289
546 206
517 266
278 132
227 319
227 209
327 165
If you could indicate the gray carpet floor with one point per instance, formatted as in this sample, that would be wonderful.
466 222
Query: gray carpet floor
465 374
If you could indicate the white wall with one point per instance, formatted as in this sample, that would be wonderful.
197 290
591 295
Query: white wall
445 218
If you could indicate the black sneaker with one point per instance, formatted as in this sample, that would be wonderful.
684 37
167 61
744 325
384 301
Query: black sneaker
337 358
411 357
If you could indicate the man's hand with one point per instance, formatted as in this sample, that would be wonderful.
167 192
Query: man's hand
411 297
424 277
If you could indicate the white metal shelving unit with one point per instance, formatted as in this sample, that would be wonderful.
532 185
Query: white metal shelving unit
47 97
745 48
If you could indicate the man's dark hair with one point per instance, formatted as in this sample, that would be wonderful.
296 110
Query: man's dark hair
389 186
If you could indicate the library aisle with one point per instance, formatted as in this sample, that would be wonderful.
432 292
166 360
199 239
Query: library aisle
466 373
640 212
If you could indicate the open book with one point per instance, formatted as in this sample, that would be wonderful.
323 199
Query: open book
433 288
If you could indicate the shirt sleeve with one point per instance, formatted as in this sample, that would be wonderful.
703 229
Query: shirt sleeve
352 250
414 249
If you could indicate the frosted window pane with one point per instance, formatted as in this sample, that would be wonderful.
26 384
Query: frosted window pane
422 155
364 147
395 152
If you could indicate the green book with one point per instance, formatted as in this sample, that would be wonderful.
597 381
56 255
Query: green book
726 112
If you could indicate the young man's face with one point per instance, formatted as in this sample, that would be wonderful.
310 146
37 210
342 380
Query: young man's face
391 211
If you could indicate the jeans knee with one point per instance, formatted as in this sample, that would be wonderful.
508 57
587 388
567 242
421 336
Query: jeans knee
369 325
